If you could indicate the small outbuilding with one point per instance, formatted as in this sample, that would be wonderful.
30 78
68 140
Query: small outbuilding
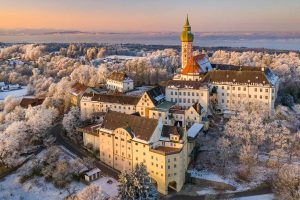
92 175
195 130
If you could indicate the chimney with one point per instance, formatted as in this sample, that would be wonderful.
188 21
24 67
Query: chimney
198 108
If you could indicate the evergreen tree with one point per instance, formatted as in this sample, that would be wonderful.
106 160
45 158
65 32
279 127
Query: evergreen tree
137 185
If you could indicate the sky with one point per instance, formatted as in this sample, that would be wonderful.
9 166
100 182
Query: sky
152 15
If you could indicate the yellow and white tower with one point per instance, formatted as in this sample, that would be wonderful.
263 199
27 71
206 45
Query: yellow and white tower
186 38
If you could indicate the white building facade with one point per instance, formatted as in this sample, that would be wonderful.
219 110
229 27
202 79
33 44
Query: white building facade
119 81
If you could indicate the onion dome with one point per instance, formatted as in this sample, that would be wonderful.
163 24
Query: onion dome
186 34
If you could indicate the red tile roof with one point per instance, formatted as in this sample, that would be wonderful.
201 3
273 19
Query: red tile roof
192 67
31 101
78 88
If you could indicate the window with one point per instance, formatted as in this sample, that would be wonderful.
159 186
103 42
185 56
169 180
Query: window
255 89
255 96
174 159
201 94
169 167
233 88
171 92
223 94
260 96
222 100
239 88
266 97
244 88
228 88
267 90
260 90
223 87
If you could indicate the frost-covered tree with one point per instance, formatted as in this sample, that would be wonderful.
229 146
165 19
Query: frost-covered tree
91 192
78 166
62 174
13 142
248 127
293 146
71 121
247 156
87 75
224 147
136 184
18 114
10 103
286 184
39 119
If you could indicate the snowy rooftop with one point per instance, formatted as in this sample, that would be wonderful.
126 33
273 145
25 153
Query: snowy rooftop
194 130
93 171
139 91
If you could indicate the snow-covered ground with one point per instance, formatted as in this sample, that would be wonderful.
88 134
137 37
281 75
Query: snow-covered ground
15 93
37 188
257 197
206 175
205 191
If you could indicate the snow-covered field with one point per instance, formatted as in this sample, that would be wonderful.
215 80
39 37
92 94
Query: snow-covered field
35 189
206 175
257 197
39 189
15 93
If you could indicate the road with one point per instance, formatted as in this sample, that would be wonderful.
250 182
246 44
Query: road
57 132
